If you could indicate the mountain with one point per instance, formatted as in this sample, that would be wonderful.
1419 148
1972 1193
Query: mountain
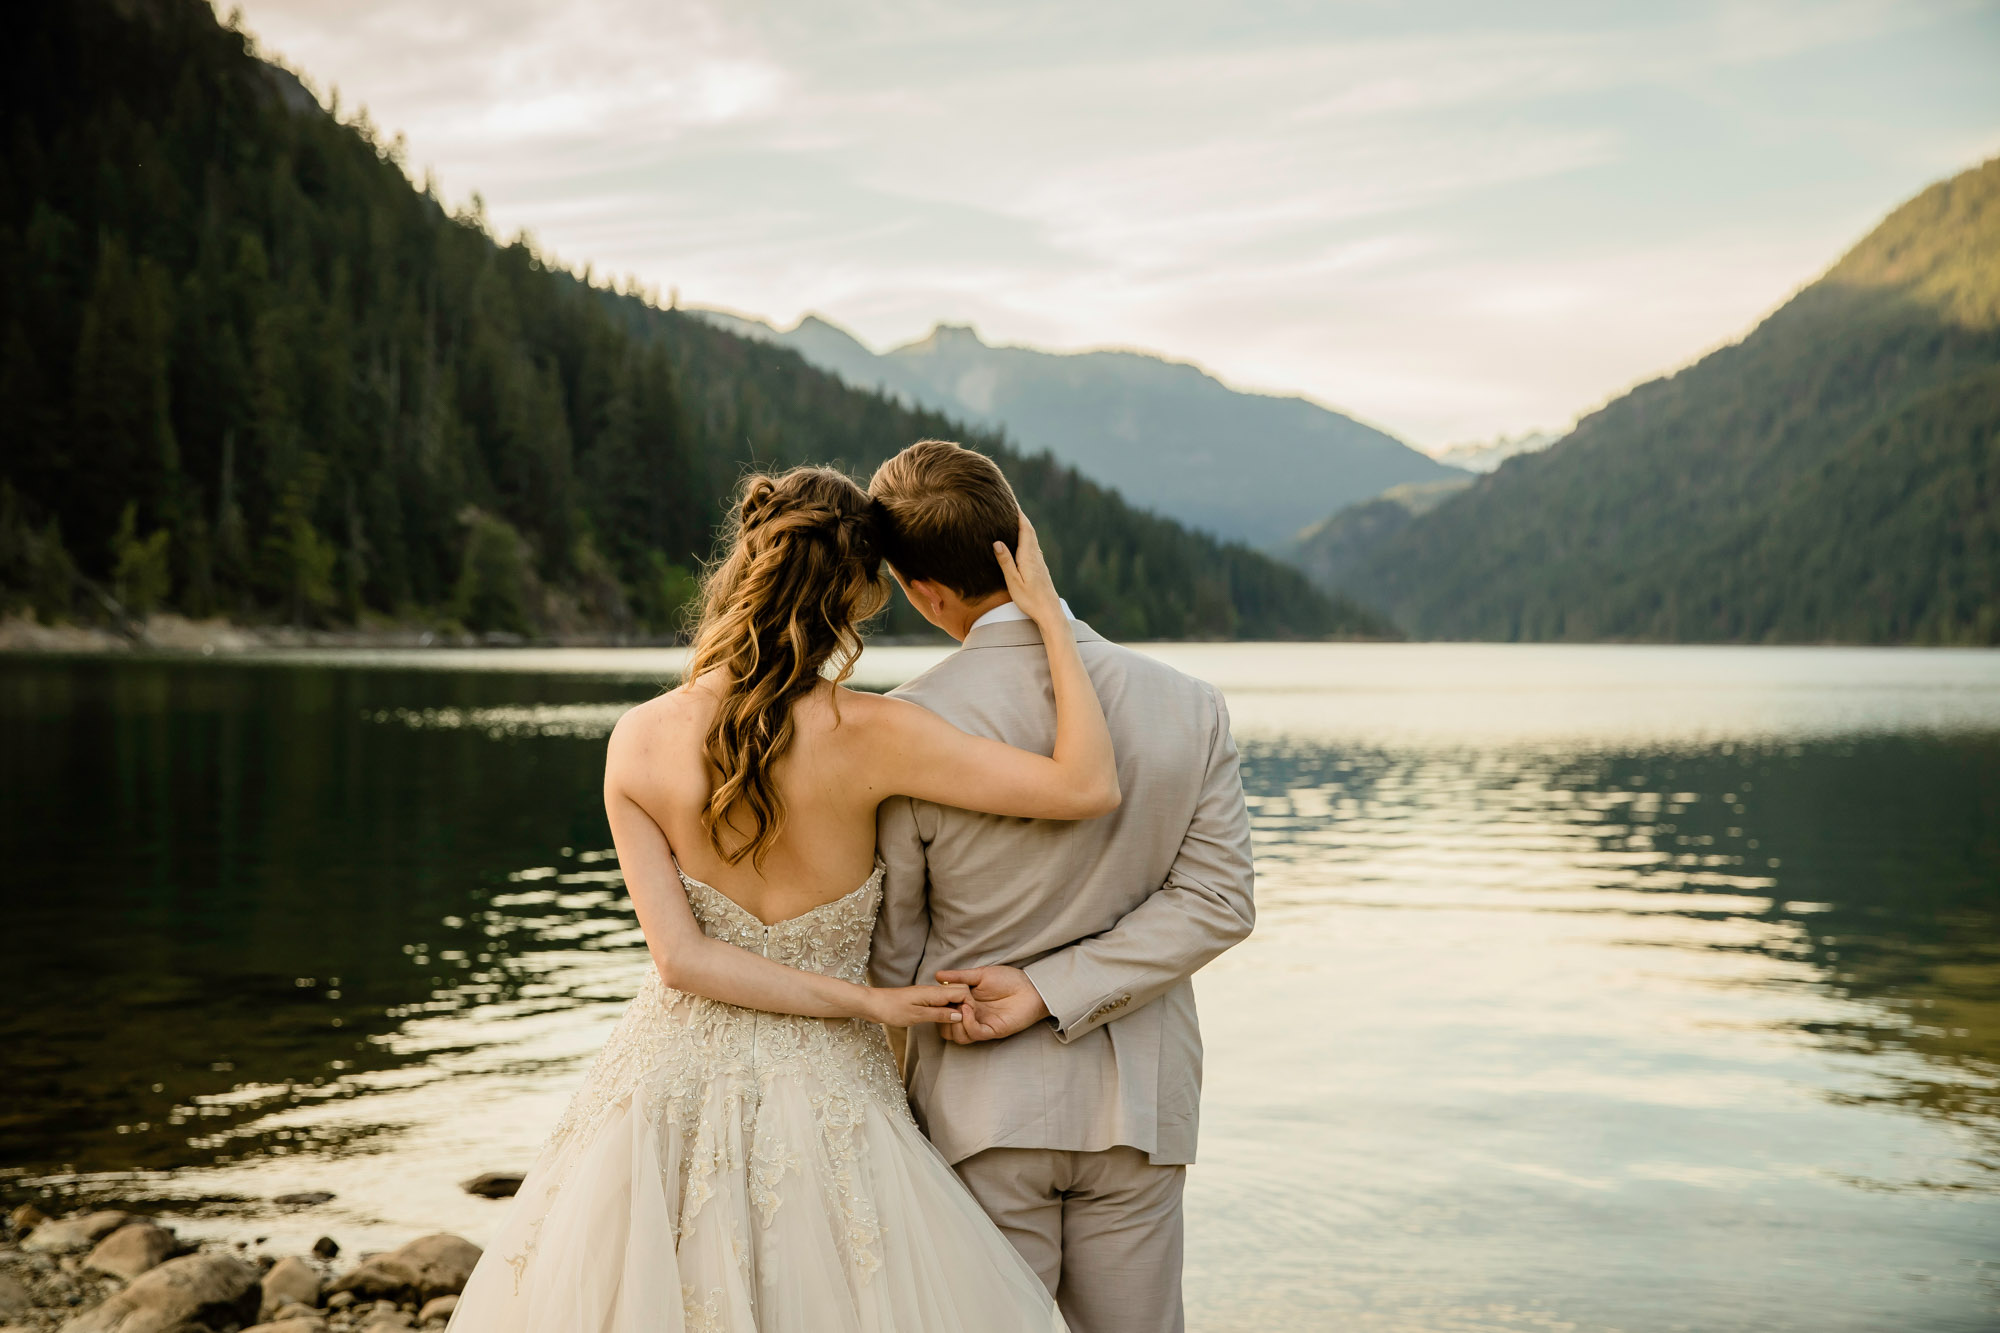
246 368
1330 550
1171 437
1486 455
1834 476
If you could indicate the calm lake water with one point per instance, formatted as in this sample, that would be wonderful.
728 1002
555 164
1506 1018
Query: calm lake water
1595 988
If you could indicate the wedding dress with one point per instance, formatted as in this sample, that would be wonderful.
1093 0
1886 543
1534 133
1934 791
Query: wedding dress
725 1170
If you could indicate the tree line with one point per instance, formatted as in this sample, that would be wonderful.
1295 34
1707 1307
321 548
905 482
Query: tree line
247 368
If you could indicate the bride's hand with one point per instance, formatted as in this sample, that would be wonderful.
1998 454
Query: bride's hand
907 1006
1028 579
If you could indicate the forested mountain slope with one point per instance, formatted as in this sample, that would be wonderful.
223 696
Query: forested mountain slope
246 368
1252 467
1835 476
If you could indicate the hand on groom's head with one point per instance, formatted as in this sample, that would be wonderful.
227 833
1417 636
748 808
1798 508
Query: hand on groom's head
1003 1002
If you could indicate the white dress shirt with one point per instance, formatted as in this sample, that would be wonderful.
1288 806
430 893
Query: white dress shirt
1010 611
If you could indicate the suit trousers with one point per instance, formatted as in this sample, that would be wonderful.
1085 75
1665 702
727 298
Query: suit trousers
1102 1229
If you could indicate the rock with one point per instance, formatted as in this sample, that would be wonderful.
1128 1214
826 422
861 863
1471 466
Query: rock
290 1281
386 1321
305 1198
340 1300
74 1233
326 1247
207 1288
131 1250
14 1296
305 1323
495 1184
427 1267
26 1218
440 1309
296 1311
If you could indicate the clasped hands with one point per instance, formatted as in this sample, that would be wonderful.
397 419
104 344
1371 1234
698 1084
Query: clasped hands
970 1004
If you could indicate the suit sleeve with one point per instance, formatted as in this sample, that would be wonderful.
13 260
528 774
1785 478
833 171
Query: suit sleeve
902 930
1206 905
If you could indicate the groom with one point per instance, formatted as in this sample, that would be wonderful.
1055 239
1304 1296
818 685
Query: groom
1067 1099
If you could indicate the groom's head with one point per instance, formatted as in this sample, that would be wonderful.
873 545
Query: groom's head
943 507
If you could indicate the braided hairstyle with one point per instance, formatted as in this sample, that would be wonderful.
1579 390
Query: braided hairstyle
781 612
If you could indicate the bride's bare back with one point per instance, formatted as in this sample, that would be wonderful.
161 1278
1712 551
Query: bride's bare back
827 844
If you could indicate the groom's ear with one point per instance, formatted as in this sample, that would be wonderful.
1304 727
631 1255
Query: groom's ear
923 594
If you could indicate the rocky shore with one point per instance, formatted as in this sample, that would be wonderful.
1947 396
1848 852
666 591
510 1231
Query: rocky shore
178 634
110 1271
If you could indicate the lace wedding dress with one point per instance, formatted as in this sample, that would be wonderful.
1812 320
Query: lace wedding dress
724 1170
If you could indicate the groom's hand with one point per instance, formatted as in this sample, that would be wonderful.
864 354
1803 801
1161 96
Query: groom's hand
1003 1002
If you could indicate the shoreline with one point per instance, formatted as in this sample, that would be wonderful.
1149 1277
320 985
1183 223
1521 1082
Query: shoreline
167 633
94 1270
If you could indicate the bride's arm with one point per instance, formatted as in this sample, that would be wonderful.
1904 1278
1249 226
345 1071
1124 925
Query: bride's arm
917 753
690 961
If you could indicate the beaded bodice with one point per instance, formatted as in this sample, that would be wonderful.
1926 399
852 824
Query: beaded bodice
831 939
702 1072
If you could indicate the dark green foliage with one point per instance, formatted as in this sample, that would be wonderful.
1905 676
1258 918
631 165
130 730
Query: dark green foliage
1833 477
246 368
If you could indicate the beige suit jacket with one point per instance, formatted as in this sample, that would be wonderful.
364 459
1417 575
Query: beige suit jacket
1110 917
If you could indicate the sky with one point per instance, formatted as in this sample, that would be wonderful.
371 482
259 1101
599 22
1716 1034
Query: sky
1451 218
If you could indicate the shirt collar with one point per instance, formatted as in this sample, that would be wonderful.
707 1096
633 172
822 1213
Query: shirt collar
1010 611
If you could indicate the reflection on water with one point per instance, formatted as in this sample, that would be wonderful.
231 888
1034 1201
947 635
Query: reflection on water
1595 988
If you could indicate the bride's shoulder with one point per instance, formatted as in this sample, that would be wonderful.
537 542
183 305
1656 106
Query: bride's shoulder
872 719
663 718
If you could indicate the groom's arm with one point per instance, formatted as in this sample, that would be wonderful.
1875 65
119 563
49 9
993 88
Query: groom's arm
1205 906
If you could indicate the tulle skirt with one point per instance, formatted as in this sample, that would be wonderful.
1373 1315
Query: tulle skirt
720 1192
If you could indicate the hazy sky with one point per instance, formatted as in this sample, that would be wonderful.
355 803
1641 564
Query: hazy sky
1452 219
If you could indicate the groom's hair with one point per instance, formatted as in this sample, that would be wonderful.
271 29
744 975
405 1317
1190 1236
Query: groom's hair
942 507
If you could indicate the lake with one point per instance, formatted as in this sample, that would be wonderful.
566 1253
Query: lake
1594 987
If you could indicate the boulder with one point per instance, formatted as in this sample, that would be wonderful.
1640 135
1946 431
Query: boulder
388 1321
494 1184
26 1218
427 1267
207 1288
74 1233
340 1300
296 1311
326 1247
307 1323
131 1250
290 1281
438 1310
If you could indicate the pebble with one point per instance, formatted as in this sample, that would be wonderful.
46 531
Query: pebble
438 1309
290 1281
429 1266
74 1233
131 1250
494 1184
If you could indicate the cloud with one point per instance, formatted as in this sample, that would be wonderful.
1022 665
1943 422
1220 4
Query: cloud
1453 219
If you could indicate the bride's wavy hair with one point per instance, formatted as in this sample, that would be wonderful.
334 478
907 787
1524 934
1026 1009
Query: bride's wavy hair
780 612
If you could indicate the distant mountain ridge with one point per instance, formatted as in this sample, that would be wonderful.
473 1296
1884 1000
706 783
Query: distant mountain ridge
1169 436
1486 455
1834 476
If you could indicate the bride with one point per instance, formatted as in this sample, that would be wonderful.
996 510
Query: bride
740 1156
